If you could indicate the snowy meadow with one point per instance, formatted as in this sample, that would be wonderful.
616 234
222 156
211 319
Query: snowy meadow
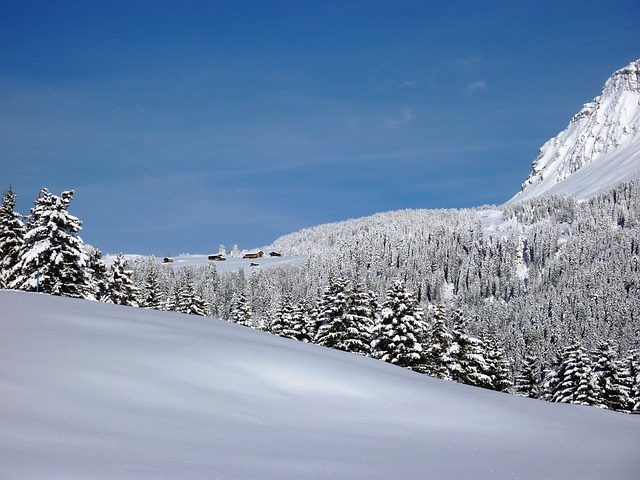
97 391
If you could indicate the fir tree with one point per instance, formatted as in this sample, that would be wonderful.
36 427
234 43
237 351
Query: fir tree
150 295
52 257
529 380
572 381
499 367
360 319
11 237
302 323
633 381
398 334
188 301
437 346
282 324
122 290
241 313
468 356
608 377
333 323
98 274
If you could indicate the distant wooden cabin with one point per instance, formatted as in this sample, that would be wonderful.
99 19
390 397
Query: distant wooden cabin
275 254
168 260
255 264
217 258
259 254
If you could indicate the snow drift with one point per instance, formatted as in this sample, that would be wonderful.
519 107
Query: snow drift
95 391
599 149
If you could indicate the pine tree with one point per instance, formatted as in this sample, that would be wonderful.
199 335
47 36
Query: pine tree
281 323
122 290
333 324
398 334
499 367
188 301
608 378
150 295
468 356
241 313
571 381
633 381
52 258
12 233
437 345
98 274
529 380
360 319
302 323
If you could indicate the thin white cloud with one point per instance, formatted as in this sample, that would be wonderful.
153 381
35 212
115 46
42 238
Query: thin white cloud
476 86
404 118
409 84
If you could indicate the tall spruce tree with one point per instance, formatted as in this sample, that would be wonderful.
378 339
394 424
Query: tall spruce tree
437 344
571 381
608 376
11 237
333 323
397 337
52 257
529 380
241 313
98 274
468 356
360 317
122 290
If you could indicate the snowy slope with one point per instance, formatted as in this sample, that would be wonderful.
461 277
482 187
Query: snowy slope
599 149
95 391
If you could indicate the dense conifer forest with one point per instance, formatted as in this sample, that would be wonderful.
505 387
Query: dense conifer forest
539 298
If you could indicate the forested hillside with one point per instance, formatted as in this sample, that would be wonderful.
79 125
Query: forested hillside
540 298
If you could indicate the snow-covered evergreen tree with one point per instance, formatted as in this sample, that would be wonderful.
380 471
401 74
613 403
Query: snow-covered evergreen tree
11 237
571 381
122 290
333 322
187 298
608 376
499 367
633 379
360 320
282 323
468 356
52 257
150 295
437 345
397 336
241 313
302 323
529 380
98 274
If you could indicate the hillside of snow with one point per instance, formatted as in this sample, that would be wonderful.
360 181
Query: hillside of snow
97 391
599 149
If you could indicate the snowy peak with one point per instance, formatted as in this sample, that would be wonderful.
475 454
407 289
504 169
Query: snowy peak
602 143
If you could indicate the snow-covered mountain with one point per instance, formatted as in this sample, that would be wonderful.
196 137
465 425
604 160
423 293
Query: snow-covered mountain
96 391
599 149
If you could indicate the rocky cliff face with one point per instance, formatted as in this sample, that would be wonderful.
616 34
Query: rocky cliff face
602 141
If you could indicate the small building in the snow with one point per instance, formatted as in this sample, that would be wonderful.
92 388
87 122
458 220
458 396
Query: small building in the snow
167 260
217 258
275 254
259 254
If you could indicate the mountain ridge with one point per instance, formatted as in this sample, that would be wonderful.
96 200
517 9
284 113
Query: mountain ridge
599 148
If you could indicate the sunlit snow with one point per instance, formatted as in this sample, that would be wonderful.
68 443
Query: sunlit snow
96 391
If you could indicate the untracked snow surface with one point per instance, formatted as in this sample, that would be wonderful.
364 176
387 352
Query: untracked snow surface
95 391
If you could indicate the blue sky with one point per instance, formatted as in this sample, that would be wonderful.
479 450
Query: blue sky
183 125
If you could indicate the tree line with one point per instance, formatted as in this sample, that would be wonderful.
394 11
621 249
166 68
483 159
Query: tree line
432 292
